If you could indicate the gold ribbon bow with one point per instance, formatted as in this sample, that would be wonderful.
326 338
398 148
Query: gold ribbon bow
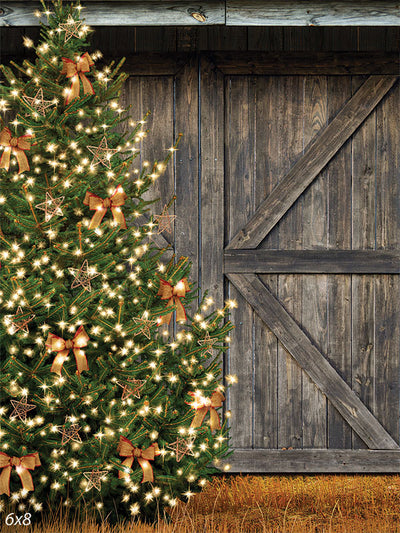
128 450
22 466
58 344
16 145
76 70
99 205
203 405
173 295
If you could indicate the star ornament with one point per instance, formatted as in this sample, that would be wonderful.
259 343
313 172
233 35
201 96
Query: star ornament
182 447
132 387
51 207
21 408
95 478
71 28
145 324
19 321
102 154
83 276
164 221
70 432
38 102
208 344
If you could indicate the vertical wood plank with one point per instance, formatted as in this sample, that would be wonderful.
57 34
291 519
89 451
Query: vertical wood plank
314 288
266 344
387 287
289 109
239 207
187 168
363 237
212 180
338 176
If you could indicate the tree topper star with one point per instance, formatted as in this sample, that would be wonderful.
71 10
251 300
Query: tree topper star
51 207
83 278
102 154
38 102
182 447
21 408
95 478
71 28
164 221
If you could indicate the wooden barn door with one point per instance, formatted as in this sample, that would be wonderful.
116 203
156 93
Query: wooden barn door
288 188
312 181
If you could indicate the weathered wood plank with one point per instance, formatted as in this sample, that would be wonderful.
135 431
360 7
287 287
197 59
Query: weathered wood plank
313 161
212 181
314 287
313 362
312 261
132 13
155 63
315 63
338 178
314 461
312 13
239 206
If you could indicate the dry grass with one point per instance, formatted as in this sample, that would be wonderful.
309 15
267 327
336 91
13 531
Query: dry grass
275 504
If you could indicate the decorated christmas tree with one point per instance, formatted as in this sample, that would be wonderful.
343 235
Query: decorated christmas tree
111 391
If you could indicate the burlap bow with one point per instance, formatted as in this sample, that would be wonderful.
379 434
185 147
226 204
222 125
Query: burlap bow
22 466
76 70
128 450
99 205
58 344
17 146
173 295
203 405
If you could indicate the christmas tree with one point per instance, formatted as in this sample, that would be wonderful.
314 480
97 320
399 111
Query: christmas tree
110 393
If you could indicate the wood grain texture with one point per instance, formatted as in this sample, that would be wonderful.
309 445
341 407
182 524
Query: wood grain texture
312 261
116 13
313 161
314 461
312 13
313 362
316 63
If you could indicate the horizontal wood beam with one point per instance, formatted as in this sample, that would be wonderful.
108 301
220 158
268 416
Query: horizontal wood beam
309 63
211 12
316 157
125 13
312 13
312 261
259 461
312 361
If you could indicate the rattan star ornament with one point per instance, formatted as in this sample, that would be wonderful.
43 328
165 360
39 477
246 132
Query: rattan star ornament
70 432
145 324
132 387
71 28
164 221
21 408
182 447
102 154
38 102
83 276
95 478
208 344
51 207
17 323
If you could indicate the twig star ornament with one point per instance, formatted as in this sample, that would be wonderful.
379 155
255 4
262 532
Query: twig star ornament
70 432
132 387
72 28
18 323
21 408
102 154
51 207
208 344
83 276
164 221
95 477
38 102
145 324
182 447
